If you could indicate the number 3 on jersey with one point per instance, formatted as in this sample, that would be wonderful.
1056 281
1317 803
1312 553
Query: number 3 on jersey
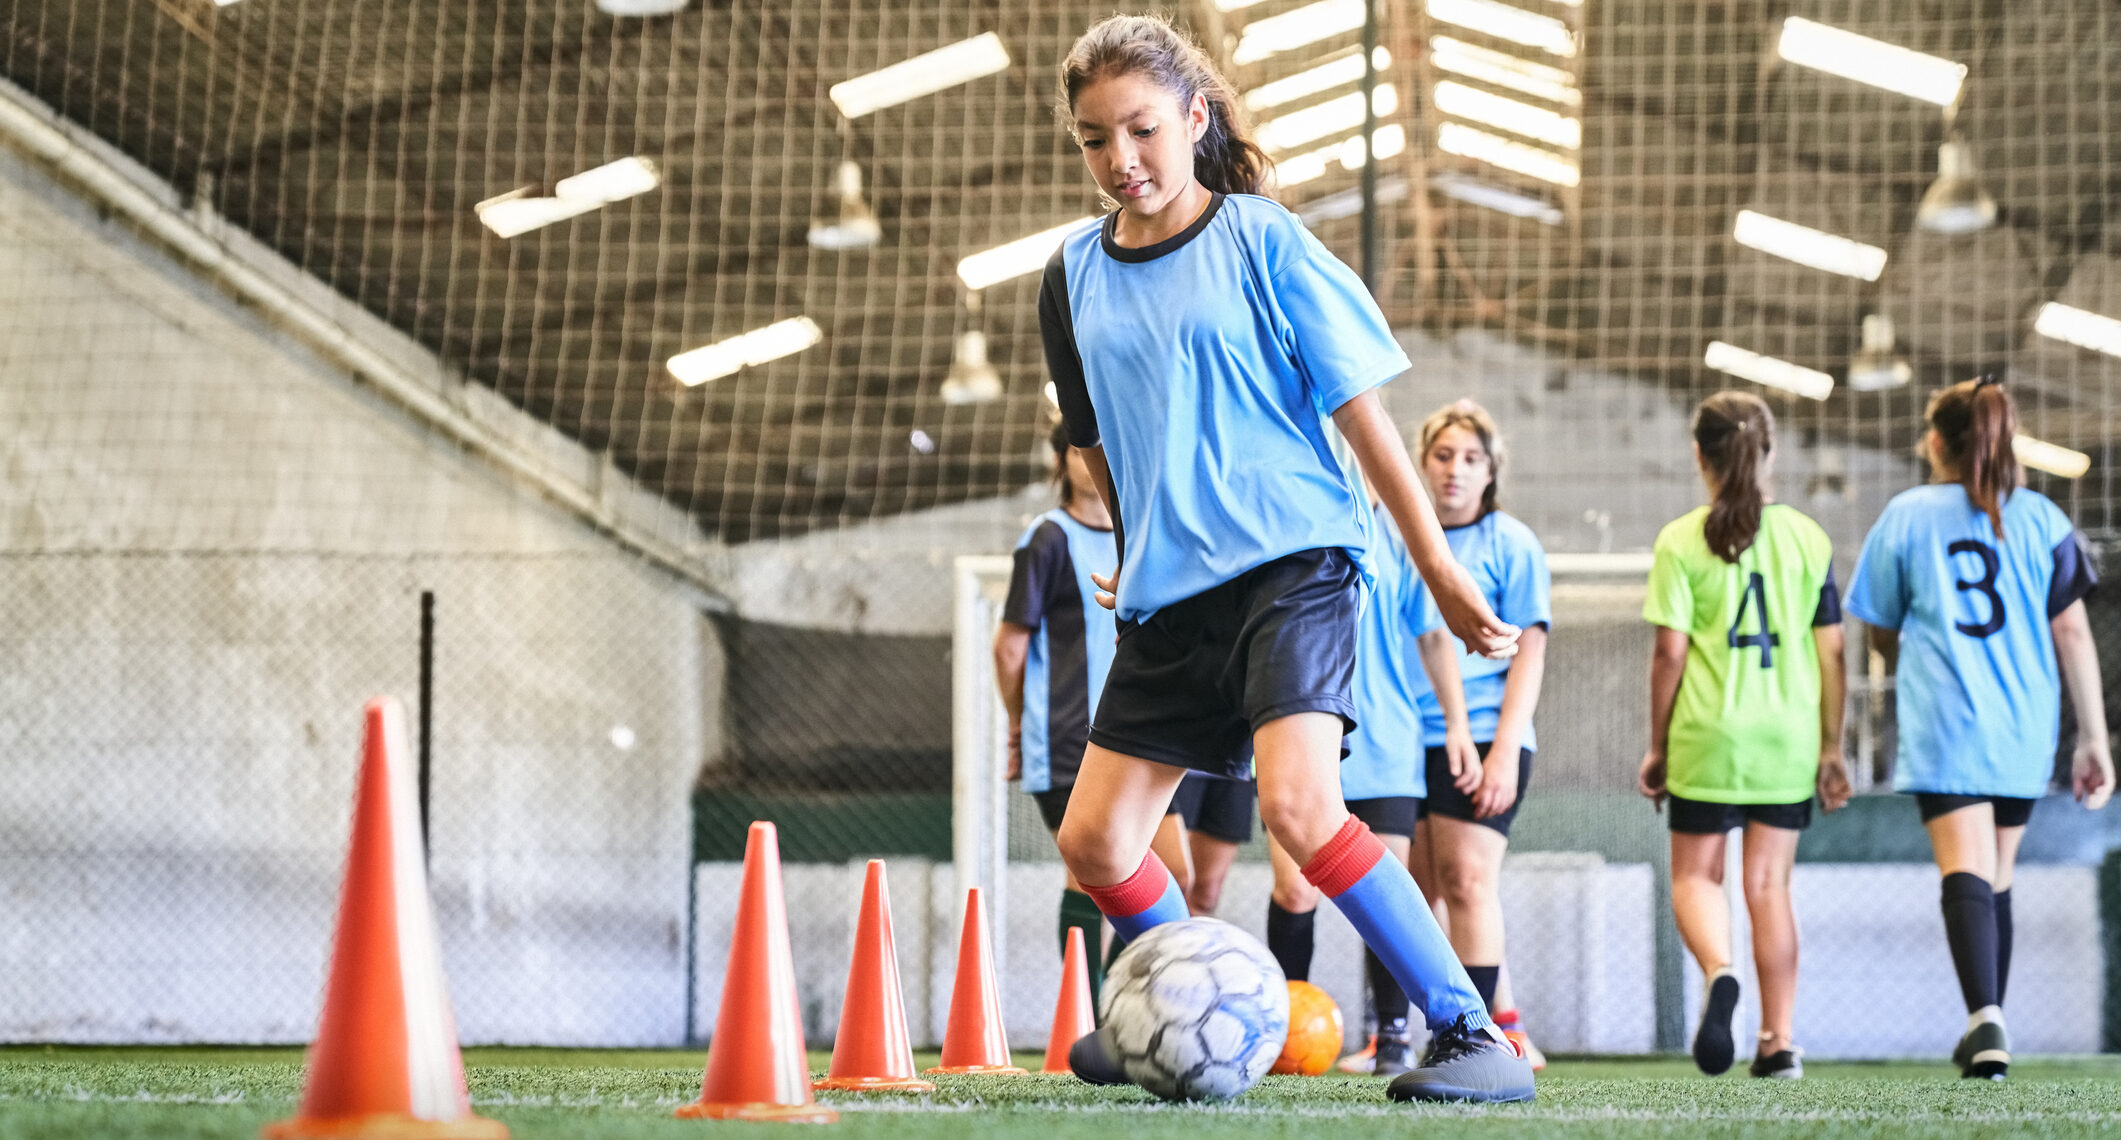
1986 584
1755 599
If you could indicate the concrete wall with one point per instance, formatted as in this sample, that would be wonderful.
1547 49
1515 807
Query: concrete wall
212 546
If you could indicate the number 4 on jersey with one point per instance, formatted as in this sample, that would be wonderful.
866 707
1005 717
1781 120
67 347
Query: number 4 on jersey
1755 598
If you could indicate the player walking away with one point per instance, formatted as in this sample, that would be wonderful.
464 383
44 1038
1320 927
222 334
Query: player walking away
1381 780
1473 797
1218 818
1977 586
1746 688
1051 655
1198 338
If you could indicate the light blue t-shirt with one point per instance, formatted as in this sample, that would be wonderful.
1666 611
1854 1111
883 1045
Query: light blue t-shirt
1978 689
1051 594
1385 750
1510 568
1205 366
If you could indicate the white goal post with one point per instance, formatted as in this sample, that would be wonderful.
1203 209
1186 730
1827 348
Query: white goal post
979 741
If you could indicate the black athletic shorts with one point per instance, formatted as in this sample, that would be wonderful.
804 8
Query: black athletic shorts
1446 800
1699 817
2010 811
1388 815
1216 807
1053 807
1189 685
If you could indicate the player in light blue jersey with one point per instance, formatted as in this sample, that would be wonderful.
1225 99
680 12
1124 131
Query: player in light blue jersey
1977 586
1199 338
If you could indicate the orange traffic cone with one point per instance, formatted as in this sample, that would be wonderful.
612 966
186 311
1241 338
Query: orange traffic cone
756 1069
385 1062
1073 1019
873 1052
974 1042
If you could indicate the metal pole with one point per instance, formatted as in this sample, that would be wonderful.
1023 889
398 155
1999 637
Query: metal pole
1369 135
427 707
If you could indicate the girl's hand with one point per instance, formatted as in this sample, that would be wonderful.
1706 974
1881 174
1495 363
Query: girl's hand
1464 755
1833 780
2092 773
1107 588
1498 786
1649 780
1467 614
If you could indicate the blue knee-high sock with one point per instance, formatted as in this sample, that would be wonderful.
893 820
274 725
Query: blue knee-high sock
1149 897
1381 901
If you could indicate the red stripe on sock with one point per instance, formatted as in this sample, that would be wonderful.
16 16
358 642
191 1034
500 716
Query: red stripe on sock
1345 858
1137 893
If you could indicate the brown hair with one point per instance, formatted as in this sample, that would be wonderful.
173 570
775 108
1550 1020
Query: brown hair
1736 434
1474 418
1976 420
1059 440
1225 160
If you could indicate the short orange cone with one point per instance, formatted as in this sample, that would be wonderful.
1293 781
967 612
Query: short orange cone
1073 1019
385 1062
756 1069
974 1042
873 1052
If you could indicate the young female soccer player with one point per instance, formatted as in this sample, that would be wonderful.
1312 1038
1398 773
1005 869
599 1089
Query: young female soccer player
1382 778
1746 687
1471 805
1977 585
1051 653
1198 338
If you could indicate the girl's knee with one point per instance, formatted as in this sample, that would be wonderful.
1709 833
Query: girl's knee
1296 897
1090 855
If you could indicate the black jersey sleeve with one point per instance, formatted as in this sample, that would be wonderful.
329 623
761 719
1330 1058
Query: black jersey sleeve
1031 577
2075 576
1056 328
1829 611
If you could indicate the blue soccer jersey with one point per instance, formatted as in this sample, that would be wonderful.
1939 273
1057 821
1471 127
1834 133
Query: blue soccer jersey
1978 689
1385 750
1204 365
1050 593
1510 568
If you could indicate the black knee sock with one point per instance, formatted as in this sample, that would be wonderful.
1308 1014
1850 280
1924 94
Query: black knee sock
1289 940
1078 910
1484 979
1391 1001
2003 943
1970 927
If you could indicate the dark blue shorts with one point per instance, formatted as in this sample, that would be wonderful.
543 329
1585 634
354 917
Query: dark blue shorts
1446 800
1216 807
1189 685
1388 815
1700 817
2010 810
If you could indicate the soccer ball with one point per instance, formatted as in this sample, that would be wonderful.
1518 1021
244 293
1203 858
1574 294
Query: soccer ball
1315 1032
1198 1010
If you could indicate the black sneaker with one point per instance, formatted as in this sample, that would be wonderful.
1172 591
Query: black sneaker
1095 1061
1783 1065
1713 1049
1394 1042
1984 1053
1466 1063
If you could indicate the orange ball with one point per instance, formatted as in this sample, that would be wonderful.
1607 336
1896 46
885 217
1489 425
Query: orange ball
1315 1035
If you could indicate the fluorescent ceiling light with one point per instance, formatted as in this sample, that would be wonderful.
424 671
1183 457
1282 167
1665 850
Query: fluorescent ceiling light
1016 258
223 3
635 8
519 211
1806 246
1457 99
2080 327
1324 77
782 338
1296 28
1507 23
1875 62
1510 202
2052 458
924 74
1334 116
1545 165
1505 70
1768 370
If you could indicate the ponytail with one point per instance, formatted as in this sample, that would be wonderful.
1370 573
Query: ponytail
1225 159
1976 421
1736 434
1061 479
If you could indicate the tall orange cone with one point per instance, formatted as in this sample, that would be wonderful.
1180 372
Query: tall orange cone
873 1052
385 1062
1073 1019
974 1042
756 1069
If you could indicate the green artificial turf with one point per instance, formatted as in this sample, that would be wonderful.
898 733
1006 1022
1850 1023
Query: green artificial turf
180 1093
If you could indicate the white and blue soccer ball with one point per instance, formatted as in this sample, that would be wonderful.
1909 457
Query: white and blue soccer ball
1198 1010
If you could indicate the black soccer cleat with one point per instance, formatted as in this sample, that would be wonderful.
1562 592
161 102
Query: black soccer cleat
1782 1065
1984 1053
1713 1048
1095 1061
1466 1063
1394 1043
